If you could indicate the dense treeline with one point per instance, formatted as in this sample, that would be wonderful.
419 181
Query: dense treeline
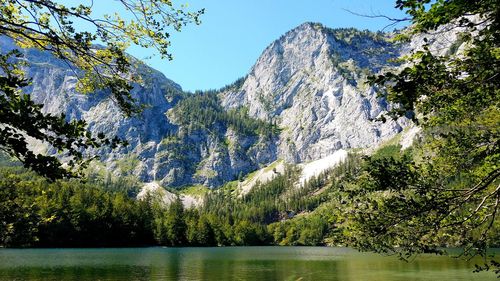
329 209
34 212
38 213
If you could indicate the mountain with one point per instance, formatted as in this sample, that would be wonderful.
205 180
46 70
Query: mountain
312 83
304 99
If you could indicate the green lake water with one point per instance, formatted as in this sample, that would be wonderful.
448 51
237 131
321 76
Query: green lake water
231 263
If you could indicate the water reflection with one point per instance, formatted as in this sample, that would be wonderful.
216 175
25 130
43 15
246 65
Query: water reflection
245 263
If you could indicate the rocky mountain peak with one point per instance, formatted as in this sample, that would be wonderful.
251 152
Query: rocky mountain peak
312 83
305 98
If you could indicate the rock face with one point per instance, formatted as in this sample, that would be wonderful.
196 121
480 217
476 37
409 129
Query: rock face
53 85
159 149
309 83
312 83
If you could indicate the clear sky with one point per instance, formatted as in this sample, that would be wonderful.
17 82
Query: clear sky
234 33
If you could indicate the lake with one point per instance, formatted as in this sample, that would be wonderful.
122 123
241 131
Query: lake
230 263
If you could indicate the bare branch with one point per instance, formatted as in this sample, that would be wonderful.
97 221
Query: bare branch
394 21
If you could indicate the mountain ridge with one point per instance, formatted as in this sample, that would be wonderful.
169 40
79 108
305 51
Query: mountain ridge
311 66
309 83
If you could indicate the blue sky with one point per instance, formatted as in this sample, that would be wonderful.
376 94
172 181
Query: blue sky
234 33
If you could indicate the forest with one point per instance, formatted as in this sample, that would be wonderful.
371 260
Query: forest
444 191
327 210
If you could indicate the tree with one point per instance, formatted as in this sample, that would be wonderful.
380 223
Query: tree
18 220
50 26
452 189
175 224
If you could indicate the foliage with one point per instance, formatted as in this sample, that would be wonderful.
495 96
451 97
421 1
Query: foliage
281 212
454 188
235 86
21 117
347 205
443 192
50 26
38 213
168 225
361 52
195 190
203 110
